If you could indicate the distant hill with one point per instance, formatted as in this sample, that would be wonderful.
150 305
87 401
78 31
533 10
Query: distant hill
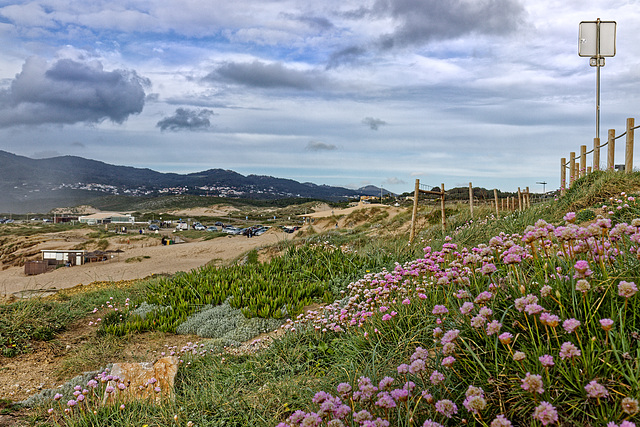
39 185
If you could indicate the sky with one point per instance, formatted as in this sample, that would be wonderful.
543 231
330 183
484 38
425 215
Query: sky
336 92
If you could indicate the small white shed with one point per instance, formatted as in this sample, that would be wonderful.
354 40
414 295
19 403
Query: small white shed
62 256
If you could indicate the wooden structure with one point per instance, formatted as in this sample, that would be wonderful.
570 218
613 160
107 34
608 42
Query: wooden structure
416 196
64 256
580 169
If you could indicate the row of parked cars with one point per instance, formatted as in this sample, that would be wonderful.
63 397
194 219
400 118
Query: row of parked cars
6 221
255 230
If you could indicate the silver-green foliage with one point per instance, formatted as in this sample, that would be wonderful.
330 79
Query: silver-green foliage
227 323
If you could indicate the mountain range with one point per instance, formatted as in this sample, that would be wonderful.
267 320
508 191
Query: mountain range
39 185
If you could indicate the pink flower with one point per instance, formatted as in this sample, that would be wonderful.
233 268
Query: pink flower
570 217
568 351
546 360
545 413
570 325
439 309
627 289
406 301
505 338
595 390
532 383
606 324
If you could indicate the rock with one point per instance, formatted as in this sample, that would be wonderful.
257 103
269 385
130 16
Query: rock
141 381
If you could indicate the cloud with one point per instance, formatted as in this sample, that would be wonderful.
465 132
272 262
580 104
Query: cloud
374 124
393 181
262 75
78 144
69 91
45 154
186 119
320 146
419 22
423 21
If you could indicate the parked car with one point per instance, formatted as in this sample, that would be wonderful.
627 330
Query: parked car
231 230
154 227
181 226
199 227
219 224
212 228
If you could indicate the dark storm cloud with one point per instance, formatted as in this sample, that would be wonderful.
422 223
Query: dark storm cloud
374 124
320 146
423 21
68 92
186 119
259 74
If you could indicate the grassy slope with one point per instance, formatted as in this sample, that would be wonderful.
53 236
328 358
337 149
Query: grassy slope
258 389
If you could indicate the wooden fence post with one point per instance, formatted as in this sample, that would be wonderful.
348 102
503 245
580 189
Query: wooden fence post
444 218
583 161
572 168
596 154
495 197
519 199
628 158
471 199
415 211
528 198
611 149
563 176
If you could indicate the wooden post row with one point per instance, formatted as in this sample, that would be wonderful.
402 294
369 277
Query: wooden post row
611 149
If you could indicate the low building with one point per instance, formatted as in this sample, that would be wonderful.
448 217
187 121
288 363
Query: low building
63 256
107 218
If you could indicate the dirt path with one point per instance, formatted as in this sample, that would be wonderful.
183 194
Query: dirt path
161 259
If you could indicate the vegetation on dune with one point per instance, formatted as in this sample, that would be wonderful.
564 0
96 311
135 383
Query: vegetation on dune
527 318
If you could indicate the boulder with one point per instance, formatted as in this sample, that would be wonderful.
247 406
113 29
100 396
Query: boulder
142 381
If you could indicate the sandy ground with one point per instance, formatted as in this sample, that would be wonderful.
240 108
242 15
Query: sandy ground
162 259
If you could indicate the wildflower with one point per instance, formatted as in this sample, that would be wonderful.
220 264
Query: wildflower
478 321
72 403
549 319
406 301
500 421
607 324
532 383
570 217
57 397
545 291
446 408
344 389
359 417
532 309
384 383
400 394
448 348
630 406
386 317
546 360
466 307
518 356
627 289
483 297
568 351
110 389
545 413
436 378
439 309
450 336
522 302
448 361
122 406
429 423
437 332
596 390
570 325
505 338
485 312
385 401
493 327
488 268
582 269
403 368
417 366
475 401
583 286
